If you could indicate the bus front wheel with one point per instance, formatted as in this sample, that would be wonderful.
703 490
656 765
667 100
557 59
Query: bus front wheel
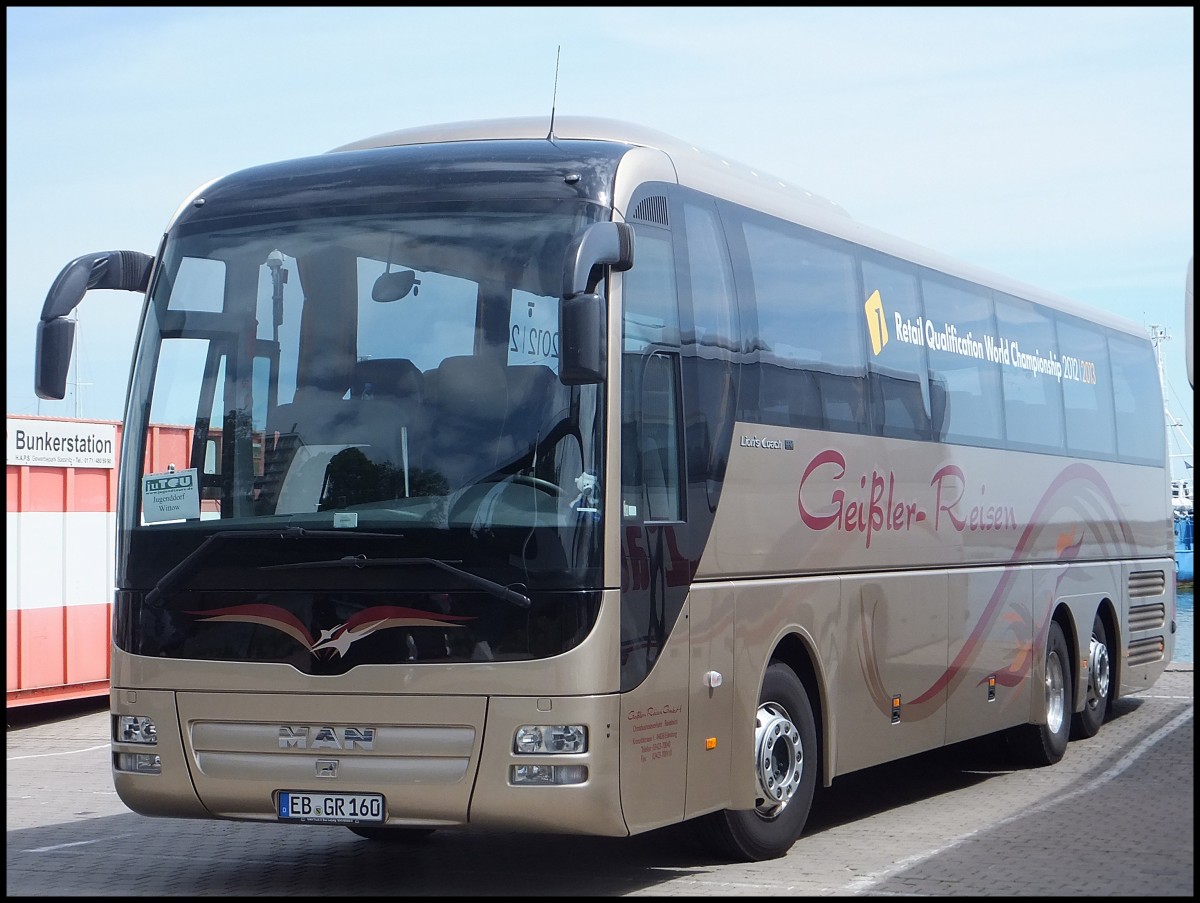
785 769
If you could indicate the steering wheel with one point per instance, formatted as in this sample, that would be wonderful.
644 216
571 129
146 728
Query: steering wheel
472 495
536 482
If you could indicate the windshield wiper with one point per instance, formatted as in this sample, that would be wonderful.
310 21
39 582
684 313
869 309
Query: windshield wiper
189 562
362 561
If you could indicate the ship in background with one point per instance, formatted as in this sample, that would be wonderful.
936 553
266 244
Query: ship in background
1185 530
1180 443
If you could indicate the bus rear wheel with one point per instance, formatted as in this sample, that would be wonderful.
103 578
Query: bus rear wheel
1095 709
785 769
1039 745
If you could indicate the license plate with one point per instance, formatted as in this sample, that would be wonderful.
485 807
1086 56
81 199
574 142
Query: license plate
330 808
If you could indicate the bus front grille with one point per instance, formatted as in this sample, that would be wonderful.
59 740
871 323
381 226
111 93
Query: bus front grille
419 752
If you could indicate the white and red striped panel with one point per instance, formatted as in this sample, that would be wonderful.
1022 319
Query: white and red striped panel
61 535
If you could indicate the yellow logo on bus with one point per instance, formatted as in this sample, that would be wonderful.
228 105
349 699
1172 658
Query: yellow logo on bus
876 322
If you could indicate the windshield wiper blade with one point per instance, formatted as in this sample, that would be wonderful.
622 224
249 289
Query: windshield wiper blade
362 561
189 562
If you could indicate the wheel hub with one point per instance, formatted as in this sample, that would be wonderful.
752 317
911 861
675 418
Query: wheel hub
1056 693
1099 671
779 758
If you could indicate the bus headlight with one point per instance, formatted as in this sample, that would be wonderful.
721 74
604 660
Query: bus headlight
547 775
550 739
136 729
138 762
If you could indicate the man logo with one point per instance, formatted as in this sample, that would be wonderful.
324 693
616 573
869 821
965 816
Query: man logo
300 737
876 322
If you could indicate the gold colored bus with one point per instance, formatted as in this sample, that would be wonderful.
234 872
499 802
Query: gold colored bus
562 477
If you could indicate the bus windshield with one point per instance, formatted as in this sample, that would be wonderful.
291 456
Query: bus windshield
382 373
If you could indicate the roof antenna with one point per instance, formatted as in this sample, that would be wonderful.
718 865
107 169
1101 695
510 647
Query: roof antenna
554 98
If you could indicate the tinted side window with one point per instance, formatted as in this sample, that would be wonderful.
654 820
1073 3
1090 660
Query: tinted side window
709 375
651 308
1137 398
650 458
809 343
897 368
1086 383
1030 371
959 318
711 281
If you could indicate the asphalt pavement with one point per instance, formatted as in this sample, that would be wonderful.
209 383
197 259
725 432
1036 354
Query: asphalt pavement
1114 818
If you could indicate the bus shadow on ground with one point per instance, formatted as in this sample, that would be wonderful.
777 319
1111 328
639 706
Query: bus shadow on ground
874 790
134 855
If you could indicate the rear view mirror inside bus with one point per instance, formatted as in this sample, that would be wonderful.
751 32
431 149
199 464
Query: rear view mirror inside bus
394 286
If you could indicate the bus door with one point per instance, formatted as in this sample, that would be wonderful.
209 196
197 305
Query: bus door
655 577
678 391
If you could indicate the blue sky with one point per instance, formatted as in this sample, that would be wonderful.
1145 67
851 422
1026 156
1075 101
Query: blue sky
1052 145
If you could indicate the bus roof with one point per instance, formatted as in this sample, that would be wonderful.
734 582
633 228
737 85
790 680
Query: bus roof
707 171
592 128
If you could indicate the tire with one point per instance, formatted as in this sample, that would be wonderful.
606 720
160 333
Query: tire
786 767
1087 723
392 835
1039 745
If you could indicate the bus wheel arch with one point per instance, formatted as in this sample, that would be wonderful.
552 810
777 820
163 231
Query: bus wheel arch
787 763
1098 684
794 651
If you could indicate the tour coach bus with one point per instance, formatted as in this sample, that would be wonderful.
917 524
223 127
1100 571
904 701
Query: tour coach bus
561 477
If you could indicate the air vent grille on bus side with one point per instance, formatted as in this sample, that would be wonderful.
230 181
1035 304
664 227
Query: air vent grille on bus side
1146 651
652 210
1147 617
1147 583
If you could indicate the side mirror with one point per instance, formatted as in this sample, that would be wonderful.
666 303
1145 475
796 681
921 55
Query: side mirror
55 339
583 319
125 270
583 346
